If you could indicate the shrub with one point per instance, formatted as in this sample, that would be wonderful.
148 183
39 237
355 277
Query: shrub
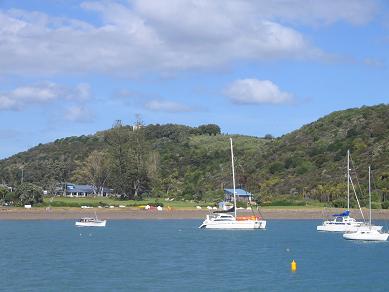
385 205
339 203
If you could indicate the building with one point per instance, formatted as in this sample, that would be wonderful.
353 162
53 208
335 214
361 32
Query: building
241 195
75 190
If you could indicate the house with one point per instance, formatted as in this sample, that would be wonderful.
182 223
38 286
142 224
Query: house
241 195
75 190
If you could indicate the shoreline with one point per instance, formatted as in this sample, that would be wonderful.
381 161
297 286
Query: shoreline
64 213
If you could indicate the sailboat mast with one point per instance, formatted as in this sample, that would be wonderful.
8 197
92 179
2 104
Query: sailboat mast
233 176
369 198
348 180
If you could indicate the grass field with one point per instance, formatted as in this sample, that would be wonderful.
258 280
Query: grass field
102 201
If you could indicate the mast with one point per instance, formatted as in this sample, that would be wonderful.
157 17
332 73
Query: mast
233 176
348 180
369 198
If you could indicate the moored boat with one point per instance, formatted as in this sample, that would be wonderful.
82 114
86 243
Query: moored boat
344 222
223 220
90 222
369 233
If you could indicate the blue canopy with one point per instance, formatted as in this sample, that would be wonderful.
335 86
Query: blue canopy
344 214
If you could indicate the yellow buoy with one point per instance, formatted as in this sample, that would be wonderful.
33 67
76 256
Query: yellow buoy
293 266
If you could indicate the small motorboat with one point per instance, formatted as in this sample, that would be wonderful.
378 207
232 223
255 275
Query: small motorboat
91 222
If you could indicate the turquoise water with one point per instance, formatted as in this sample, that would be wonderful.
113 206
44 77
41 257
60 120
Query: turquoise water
174 255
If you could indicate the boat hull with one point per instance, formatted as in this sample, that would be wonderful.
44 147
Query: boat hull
246 224
345 228
366 236
91 224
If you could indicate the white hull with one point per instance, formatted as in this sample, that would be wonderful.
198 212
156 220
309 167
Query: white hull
244 224
345 228
370 235
101 223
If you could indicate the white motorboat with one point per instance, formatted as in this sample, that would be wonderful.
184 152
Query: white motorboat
366 235
223 220
343 222
369 234
91 222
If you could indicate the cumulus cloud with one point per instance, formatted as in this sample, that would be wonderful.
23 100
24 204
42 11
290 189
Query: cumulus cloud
253 91
165 36
79 114
167 106
24 96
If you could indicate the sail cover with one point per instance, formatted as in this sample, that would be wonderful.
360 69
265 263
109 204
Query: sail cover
226 211
344 214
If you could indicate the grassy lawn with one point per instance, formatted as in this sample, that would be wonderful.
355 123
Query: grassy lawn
102 201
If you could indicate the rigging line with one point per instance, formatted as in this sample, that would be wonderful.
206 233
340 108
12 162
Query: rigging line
356 197
356 175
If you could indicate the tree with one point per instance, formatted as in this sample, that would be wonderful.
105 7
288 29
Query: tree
139 155
210 129
94 170
28 194
117 140
3 193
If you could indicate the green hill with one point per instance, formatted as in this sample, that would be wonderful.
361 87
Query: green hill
194 163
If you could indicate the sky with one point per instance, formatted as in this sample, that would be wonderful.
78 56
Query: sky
71 68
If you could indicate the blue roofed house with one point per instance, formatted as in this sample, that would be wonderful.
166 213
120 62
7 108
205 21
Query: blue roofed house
241 195
75 190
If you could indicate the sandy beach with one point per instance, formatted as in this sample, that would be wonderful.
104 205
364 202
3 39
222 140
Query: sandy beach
134 213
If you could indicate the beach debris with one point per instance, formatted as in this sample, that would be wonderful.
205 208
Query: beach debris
122 206
159 208
86 207
111 207
214 208
27 206
209 207
147 207
198 207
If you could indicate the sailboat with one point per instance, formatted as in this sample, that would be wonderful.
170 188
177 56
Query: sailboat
91 222
344 222
224 220
369 234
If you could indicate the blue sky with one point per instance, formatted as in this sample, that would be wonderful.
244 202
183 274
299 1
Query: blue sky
69 68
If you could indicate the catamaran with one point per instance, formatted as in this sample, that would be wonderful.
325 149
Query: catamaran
369 234
91 222
224 220
344 222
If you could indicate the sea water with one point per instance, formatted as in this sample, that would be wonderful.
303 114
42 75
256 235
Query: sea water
174 255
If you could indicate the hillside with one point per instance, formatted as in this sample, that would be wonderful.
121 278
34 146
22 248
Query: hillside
194 163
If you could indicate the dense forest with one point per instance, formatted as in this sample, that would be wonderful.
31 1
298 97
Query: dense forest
194 162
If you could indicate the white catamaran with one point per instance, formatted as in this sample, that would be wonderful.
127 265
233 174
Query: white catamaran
343 222
369 234
223 220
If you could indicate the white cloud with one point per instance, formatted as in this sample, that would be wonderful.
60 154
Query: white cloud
165 36
253 91
79 114
167 106
24 96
